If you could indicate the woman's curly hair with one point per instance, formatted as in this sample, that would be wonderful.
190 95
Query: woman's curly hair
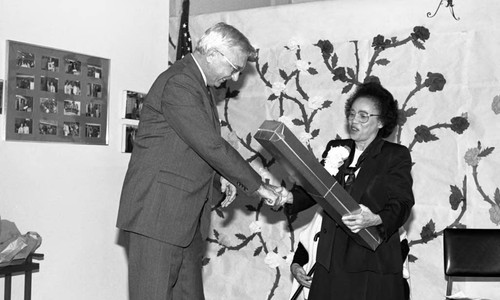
384 102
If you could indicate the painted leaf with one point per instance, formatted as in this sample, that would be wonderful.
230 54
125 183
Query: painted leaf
264 68
241 236
312 71
283 74
221 251
487 151
382 62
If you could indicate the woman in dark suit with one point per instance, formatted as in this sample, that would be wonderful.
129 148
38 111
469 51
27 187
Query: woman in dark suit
382 186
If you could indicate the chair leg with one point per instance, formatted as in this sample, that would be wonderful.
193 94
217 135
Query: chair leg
449 286
8 286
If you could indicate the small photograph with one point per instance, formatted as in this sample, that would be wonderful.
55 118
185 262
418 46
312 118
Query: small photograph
1 95
134 101
25 59
47 127
93 130
48 84
50 63
93 110
71 129
48 106
26 82
129 132
23 126
94 71
94 90
24 103
72 66
71 108
72 87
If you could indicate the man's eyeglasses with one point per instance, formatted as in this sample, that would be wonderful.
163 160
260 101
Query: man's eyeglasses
236 69
363 116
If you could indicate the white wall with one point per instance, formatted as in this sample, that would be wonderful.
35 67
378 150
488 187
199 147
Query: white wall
69 193
198 7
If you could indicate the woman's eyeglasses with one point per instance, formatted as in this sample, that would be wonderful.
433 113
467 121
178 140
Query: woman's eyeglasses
363 116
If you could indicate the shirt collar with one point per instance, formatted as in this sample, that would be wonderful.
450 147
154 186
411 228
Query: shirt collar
201 70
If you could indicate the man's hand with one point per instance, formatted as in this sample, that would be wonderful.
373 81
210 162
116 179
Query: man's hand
229 189
269 193
300 275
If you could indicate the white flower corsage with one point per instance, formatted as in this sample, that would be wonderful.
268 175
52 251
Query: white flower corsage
335 158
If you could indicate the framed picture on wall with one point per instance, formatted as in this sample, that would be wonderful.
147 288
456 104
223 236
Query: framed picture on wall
128 137
133 104
54 95
1 95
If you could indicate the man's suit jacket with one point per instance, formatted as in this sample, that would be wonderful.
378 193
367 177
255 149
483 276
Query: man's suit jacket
384 185
178 150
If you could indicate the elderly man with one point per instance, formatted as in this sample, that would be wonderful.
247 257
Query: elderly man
177 155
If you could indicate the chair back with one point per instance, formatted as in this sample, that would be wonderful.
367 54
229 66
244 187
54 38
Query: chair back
471 253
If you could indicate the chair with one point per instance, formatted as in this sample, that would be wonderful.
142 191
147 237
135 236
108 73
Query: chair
471 253
27 267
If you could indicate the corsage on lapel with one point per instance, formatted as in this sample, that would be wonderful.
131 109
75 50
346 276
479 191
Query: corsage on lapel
335 158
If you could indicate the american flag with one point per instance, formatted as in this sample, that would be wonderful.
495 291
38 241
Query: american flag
184 41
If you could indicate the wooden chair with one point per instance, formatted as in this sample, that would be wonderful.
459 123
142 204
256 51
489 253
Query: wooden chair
470 253
26 267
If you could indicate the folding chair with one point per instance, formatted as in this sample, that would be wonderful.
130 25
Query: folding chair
470 253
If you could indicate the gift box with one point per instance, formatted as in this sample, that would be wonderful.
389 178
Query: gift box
305 170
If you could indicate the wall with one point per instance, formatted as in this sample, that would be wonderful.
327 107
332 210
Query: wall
69 193
198 7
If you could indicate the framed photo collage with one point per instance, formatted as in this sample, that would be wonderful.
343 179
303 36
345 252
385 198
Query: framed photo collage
56 96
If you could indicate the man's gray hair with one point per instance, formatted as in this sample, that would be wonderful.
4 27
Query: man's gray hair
225 36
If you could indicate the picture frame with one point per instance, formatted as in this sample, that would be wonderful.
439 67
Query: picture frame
128 137
1 96
55 95
133 104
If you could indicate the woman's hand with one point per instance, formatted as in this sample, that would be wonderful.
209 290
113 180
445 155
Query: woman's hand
300 275
362 220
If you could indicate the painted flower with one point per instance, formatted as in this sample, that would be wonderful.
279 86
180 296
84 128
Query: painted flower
315 102
224 239
435 81
289 258
302 66
273 260
339 74
380 42
305 138
293 45
459 124
495 105
423 134
278 88
472 157
495 214
325 46
335 158
286 120
233 140
255 227
421 33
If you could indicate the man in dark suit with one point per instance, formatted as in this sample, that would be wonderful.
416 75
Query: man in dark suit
177 155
